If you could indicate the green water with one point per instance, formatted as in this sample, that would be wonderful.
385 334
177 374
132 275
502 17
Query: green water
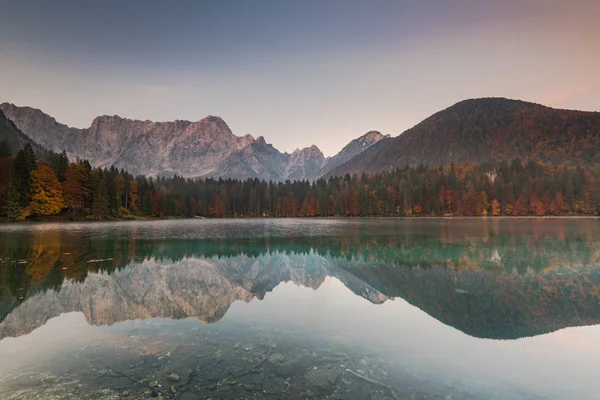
301 309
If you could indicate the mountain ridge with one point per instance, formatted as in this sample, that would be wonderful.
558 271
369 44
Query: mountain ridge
194 149
486 129
471 131
15 139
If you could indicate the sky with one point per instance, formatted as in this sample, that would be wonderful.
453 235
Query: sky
296 72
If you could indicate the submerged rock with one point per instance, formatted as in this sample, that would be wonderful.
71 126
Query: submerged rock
322 379
285 366
277 358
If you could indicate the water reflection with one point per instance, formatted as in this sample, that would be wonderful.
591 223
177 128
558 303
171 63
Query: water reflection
504 280
305 309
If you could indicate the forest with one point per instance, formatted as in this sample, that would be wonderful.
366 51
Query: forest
32 189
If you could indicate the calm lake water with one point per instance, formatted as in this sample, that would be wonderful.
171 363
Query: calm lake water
278 309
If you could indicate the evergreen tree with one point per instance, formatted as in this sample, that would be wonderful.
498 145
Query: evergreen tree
25 164
147 204
99 196
11 208
60 163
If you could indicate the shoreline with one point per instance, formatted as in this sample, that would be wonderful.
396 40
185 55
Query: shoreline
449 218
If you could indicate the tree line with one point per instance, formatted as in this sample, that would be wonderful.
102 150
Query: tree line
31 188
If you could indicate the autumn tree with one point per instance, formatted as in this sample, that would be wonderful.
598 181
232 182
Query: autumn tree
482 204
495 207
74 186
46 192
537 206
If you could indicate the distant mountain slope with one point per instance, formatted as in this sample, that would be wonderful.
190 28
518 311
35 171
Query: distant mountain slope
257 160
42 128
205 148
263 161
141 147
481 130
17 139
353 149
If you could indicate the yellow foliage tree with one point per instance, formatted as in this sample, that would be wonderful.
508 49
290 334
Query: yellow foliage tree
46 192
418 209
482 204
495 208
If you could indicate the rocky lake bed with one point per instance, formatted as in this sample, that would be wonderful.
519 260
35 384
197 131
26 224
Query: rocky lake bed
225 363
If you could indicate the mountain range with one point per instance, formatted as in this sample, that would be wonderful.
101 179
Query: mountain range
471 131
205 148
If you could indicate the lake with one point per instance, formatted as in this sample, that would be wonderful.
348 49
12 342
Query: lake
301 309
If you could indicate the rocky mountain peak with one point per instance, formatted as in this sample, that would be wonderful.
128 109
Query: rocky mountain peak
312 151
15 139
352 149
33 115
217 123
205 148
368 139
372 136
41 127
305 163
212 119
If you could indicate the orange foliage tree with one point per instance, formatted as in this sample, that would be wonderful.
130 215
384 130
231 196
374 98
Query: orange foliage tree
495 208
46 192
74 188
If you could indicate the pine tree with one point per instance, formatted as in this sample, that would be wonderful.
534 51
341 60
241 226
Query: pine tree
99 196
11 208
25 164
87 183
60 163
340 209
147 204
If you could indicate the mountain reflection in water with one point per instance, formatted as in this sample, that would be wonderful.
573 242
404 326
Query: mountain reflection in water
496 280
489 279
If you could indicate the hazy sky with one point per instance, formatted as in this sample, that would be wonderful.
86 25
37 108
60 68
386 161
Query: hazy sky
297 72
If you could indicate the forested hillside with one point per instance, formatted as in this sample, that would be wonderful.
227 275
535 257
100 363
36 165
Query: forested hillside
483 130
31 188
